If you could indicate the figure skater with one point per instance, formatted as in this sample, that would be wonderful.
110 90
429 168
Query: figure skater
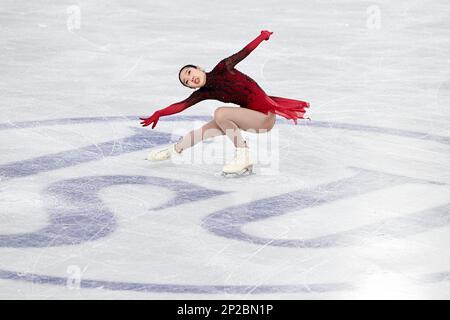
225 83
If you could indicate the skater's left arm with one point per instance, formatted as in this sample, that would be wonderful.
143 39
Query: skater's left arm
233 60
194 98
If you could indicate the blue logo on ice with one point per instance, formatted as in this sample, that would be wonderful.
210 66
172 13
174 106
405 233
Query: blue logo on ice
77 214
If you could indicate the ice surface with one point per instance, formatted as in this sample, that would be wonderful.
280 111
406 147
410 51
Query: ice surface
358 208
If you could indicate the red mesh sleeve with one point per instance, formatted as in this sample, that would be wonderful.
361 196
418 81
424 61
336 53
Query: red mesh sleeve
233 60
194 98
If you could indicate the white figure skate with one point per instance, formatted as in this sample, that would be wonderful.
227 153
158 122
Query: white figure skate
163 154
242 164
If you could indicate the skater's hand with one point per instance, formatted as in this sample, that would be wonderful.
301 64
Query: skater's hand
266 34
154 118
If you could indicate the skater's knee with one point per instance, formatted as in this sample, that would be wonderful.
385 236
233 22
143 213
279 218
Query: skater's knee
220 114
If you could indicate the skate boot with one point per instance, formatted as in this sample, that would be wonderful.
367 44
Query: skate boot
242 163
163 154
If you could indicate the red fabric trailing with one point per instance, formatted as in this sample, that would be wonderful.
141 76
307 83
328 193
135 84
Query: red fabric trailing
227 84
290 108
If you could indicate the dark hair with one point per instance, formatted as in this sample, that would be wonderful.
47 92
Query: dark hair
179 73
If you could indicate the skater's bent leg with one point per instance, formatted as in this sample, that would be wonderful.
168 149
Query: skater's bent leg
207 131
251 120
232 119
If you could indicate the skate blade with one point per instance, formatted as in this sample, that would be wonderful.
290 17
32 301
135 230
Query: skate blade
159 160
243 173
151 159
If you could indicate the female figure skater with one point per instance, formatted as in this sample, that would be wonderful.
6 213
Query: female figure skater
225 83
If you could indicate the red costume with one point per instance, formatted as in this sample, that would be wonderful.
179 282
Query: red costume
227 84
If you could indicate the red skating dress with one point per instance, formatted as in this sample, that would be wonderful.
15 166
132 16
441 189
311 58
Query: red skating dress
227 84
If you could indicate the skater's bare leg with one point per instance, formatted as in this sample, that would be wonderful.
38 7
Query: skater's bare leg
209 130
232 119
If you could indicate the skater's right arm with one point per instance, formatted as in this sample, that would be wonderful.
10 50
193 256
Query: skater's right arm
194 98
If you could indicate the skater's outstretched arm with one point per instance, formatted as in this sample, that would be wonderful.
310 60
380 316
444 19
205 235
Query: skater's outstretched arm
194 98
233 60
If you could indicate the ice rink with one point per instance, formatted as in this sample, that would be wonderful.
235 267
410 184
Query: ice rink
354 204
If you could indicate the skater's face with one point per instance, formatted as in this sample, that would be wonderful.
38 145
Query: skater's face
193 77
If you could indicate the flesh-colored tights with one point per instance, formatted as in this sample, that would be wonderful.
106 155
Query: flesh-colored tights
229 121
